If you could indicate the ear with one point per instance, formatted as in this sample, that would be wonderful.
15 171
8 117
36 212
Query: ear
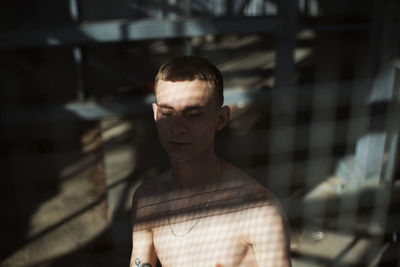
223 118
155 107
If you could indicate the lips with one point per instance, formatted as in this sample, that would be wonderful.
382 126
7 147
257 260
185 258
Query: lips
178 143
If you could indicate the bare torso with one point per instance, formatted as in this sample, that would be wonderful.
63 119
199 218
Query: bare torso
225 224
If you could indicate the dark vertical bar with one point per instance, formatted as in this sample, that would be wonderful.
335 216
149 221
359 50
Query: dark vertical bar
229 8
285 42
77 53
188 41
80 90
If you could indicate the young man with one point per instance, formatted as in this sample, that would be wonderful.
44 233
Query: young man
203 211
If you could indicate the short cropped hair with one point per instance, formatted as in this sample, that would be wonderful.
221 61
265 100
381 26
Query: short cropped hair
190 68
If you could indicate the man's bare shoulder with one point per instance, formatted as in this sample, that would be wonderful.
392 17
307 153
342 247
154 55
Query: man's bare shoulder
251 190
150 198
236 177
260 203
153 186
151 191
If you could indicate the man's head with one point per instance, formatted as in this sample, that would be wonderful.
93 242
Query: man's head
190 68
188 111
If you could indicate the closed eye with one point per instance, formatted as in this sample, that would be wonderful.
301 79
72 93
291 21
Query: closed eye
166 113
193 114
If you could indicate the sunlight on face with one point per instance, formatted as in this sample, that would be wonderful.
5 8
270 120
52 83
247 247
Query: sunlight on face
182 94
186 118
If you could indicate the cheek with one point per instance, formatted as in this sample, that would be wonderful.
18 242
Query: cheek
162 127
197 128
206 128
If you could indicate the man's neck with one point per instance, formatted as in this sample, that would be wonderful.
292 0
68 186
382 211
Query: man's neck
196 173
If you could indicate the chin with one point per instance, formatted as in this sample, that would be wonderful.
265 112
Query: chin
179 158
181 155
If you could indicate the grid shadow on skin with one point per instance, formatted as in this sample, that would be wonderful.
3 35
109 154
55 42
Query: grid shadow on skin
221 229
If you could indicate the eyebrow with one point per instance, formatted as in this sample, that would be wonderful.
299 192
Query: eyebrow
189 108
165 106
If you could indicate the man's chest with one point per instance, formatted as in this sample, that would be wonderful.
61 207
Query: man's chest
203 241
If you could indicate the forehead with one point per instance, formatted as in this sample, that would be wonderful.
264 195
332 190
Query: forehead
184 93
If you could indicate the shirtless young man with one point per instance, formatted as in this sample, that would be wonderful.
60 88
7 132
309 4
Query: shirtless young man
203 211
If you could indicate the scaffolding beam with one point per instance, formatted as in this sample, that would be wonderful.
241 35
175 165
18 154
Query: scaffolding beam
119 31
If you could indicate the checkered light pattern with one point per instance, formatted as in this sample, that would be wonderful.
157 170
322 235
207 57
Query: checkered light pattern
222 231
294 142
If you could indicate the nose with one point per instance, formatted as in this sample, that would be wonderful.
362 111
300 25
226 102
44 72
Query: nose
178 125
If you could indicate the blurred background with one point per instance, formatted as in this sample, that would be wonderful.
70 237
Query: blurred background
314 88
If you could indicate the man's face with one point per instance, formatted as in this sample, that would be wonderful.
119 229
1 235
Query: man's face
187 118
